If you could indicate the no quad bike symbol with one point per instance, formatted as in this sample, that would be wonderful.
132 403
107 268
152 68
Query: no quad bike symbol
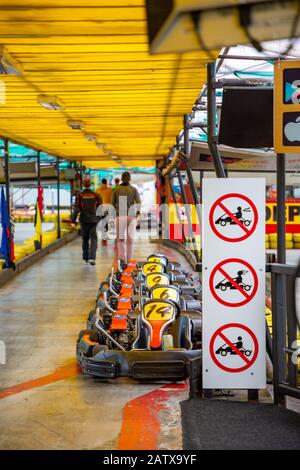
233 282
233 347
233 217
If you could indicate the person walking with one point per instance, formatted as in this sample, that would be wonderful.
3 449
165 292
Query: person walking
105 193
126 201
117 183
86 205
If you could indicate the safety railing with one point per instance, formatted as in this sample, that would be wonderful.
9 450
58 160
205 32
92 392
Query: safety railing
285 328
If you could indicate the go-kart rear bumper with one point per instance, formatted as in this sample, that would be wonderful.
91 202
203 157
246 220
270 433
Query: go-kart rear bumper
141 364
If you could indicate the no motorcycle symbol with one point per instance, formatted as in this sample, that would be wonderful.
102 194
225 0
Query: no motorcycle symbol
234 347
233 282
233 217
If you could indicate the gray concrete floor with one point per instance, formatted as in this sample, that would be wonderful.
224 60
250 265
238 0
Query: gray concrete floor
41 313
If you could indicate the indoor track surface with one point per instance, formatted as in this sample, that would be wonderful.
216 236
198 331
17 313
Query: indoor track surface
45 403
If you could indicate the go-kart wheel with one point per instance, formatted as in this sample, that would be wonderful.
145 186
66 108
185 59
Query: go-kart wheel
223 288
94 336
223 352
91 315
223 223
82 333
98 348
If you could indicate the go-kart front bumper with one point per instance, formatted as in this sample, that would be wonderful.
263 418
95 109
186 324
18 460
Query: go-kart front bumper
139 364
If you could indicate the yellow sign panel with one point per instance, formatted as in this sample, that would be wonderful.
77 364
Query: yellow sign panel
287 106
158 311
292 213
173 216
165 293
149 268
157 279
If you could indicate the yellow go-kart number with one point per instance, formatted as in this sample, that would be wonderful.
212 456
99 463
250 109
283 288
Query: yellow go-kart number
158 311
165 293
150 268
156 279
154 259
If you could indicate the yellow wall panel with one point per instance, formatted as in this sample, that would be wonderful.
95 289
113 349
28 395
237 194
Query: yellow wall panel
95 59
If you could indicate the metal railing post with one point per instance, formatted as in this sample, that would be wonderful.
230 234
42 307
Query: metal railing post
7 193
58 198
280 164
188 214
279 330
177 209
291 329
211 120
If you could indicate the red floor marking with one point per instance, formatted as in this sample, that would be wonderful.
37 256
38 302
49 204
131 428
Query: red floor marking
141 426
62 373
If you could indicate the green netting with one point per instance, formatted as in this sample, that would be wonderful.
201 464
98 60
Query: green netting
245 73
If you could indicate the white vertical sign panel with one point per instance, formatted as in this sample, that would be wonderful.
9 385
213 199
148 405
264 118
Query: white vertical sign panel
233 230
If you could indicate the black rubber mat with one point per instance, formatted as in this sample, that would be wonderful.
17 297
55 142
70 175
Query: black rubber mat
224 424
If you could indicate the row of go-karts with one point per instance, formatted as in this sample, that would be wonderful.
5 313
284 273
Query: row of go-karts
146 324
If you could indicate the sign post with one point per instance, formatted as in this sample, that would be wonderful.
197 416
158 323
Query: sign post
287 106
234 283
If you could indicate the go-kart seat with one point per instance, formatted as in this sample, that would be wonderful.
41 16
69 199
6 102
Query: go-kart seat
189 303
181 332
196 322
142 339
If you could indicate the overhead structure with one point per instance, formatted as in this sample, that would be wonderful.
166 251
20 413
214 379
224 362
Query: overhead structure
184 25
89 63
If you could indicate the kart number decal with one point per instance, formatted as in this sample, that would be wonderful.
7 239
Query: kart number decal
164 293
157 279
154 259
149 268
158 311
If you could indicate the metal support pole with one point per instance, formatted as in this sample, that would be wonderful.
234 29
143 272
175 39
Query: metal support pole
38 244
281 254
201 183
291 329
279 284
7 191
188 214
211 120
38 161
186 135
279 334
193 188
58 199
177 209
186 151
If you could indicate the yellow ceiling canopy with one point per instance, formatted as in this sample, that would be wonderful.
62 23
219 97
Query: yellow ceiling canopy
92 56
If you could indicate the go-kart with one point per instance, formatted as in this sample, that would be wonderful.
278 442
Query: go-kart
129 288
160 339
224 285
224 350
223 221
133 277
226 219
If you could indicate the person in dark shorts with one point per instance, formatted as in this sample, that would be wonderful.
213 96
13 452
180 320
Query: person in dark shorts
86 205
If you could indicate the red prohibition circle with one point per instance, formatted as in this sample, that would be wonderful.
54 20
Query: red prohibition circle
212 349
234 239
224 302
